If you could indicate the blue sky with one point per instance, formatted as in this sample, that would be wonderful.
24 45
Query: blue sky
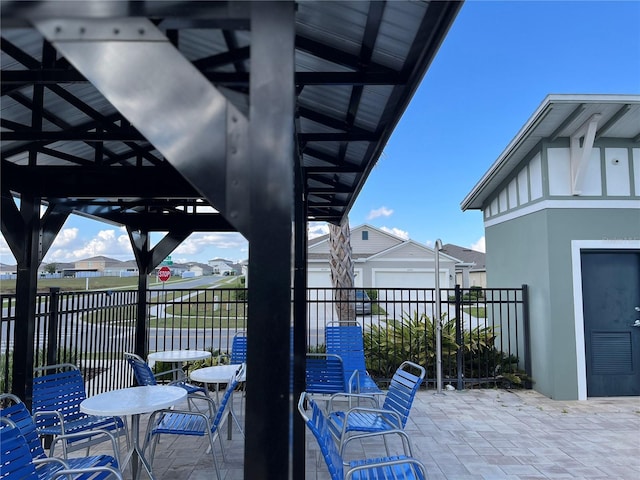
494 68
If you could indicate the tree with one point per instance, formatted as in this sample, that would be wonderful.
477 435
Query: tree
51 268
342 276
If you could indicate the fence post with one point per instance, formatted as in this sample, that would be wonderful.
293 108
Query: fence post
527 335
460 351
52 330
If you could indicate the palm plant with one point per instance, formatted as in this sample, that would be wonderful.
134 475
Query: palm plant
412 337
341 263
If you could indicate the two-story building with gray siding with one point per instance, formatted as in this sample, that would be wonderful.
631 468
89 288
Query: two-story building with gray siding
561 212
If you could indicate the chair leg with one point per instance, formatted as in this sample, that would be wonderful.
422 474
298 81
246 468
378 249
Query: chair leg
235 419
233 413
152 454
224 457
213 453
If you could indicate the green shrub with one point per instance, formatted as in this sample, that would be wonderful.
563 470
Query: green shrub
322 348
413 338
373 294
410 338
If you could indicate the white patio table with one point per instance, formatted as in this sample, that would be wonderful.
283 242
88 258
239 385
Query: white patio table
216 375
176 357
134 401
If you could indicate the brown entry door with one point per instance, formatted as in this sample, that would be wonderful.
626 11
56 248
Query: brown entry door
611 302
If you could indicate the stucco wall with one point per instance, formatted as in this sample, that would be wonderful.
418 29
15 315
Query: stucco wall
535 249
517 253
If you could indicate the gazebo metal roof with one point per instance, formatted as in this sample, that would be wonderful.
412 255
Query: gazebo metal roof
357 65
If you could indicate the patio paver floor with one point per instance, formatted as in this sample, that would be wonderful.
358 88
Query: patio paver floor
470 434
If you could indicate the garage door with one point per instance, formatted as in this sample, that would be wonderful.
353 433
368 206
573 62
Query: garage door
319 278
408 279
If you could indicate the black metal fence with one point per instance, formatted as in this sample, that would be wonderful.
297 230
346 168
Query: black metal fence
484 332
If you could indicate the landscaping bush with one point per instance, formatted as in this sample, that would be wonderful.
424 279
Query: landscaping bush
410 338
414 338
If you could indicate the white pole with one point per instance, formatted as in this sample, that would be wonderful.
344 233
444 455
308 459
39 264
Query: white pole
437 320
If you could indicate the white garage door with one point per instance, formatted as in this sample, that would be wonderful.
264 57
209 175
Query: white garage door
407 279
321 278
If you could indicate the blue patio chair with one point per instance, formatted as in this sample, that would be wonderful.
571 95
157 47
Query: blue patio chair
190 423
347 341
392 415
324 374
145 376
16 411
55 408
17 462
402 466
238 354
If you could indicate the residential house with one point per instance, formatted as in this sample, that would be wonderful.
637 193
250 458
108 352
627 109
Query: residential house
200 269
471 272
561 210
382 260
221 266
102 264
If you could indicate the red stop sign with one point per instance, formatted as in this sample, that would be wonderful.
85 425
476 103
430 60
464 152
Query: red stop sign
164 274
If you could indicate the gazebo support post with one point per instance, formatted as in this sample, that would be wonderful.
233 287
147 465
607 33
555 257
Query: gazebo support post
269 407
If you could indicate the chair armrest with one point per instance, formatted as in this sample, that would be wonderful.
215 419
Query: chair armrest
167 372
406 441
376 411
354 379
378 464
349 397
195 396
72 473
221 356
181 412
41 461
86 434
211 404
49 413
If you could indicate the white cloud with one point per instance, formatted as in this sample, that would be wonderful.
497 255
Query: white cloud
6 256
198 243
70 247
397 232
380 212
479 246
66 237
105 243
317 229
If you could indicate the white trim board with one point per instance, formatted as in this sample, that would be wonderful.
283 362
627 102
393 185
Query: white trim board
570 204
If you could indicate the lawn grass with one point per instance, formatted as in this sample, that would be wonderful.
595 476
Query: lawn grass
476 311
94 283
75 284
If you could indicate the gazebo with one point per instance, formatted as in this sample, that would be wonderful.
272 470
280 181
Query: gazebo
179 117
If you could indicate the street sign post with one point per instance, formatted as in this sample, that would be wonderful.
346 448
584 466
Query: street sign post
164 274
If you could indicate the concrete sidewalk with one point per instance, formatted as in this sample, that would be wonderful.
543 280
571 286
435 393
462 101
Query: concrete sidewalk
471 434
